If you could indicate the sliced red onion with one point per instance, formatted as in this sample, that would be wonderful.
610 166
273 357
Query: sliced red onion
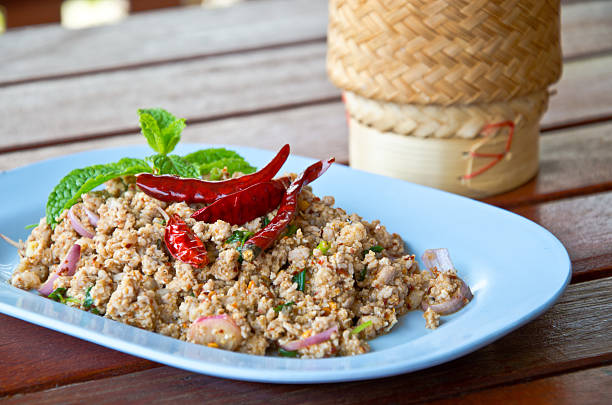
458 301
438 258
218 329
66 268
77 225
93 217
311 340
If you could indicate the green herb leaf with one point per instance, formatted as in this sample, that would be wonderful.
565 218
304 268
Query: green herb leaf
210 155
215 174
88 302
361 327
95 311
323 246
375 249
291 230
287 353
58 295
300 279
239 236
265 220
280 307
173 164
81 181
161 129
232 164
363 273
31 226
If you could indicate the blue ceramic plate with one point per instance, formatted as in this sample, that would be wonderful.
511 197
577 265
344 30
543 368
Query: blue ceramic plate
515 268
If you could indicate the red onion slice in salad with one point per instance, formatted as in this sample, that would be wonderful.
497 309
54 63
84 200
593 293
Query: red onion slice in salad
93 217
311 340
77 225
66 268
438 258
458 301
219 330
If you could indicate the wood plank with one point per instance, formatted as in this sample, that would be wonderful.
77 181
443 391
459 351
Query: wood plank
572 162
157 37
207 90
161 37
316 131
573 334
35 358
583 94
584 226
587 387
202 90
586 28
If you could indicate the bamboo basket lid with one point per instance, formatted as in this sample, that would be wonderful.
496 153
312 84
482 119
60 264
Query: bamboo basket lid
443 51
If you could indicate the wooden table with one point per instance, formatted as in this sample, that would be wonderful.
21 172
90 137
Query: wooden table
255 75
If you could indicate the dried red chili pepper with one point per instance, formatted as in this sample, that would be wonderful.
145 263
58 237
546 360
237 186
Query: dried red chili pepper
183 244
176 189
286 212
245 205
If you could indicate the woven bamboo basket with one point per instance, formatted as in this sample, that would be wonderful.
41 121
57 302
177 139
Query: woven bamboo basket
445 93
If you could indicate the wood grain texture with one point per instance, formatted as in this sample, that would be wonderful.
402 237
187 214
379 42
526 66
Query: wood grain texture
235 85
316 131
584 226
200 90
162 37
586 28
572 162
583 93
159 36
34 358
587 387
574 333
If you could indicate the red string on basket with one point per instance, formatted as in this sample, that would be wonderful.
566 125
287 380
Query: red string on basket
488 130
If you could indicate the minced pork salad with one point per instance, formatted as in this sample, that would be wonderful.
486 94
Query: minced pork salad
206 249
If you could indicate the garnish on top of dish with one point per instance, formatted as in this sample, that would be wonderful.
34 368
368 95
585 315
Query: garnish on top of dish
206 249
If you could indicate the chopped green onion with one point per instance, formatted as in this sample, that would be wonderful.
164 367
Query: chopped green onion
361 327
323 246
31 226
375 249
58 295
300 279
287 353
88 302
291 230
363 273
280 307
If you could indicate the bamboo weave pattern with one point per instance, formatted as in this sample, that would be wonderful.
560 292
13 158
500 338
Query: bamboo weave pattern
443 51
463 121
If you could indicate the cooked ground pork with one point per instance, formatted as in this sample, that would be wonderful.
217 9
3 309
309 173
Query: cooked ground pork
129 276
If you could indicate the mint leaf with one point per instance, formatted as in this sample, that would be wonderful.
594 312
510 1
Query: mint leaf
81 181
173 164
161 129
210 155
232 164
